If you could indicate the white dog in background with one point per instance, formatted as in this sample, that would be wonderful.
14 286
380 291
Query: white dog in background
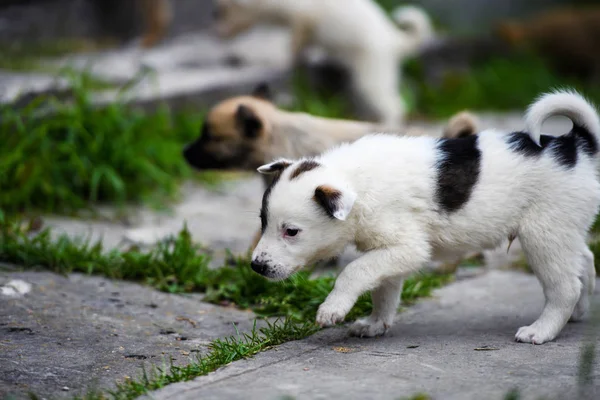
404 201
357 33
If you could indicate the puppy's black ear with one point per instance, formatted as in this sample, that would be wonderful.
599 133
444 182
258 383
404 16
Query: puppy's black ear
275 167
336 203
248 122
263 91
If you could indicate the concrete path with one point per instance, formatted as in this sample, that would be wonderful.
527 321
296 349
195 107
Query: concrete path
192 68
68 334
457 345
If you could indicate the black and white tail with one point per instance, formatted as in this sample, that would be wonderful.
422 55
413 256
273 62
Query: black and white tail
565 103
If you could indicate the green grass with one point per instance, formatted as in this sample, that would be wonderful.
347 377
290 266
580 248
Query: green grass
28 55
222 352
60 157
317 102
502 84
178 265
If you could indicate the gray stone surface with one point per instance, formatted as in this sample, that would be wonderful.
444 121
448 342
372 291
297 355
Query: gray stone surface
79 332
457 345
191 67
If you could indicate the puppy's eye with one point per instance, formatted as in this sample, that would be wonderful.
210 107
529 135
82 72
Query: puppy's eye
291 232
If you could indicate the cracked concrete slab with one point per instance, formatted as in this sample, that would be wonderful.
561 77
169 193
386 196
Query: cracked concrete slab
78 332
457 345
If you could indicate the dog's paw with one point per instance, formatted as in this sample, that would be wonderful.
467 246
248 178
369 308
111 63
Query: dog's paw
330 314
368 327
533 334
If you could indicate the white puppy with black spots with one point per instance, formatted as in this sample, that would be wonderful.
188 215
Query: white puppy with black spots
406 200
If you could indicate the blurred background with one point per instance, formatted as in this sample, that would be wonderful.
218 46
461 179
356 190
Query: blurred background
98 98
472 65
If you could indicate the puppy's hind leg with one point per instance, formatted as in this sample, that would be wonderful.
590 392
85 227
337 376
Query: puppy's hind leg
556 261
386 299
588 284
376 81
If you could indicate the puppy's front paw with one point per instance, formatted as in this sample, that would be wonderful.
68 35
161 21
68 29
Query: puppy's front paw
330 314
368 327
533 334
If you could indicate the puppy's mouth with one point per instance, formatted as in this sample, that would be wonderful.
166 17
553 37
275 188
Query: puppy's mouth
274 274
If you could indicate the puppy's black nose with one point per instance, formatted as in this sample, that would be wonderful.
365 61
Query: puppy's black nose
258 267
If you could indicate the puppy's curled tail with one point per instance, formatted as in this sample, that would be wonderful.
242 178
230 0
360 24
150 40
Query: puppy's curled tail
569 104
416 24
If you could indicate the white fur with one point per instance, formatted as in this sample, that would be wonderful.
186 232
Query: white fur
360 35
396 221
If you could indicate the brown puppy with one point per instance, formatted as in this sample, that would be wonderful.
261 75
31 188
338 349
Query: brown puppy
246 132
566 38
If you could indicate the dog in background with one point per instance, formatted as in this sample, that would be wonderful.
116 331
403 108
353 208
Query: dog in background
157 15
567 38
406 200
245 132
356 33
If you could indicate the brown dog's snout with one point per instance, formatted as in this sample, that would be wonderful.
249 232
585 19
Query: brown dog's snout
259 267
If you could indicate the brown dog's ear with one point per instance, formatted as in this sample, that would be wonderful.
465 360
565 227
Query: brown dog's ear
336 203
248 122
262 91
275 167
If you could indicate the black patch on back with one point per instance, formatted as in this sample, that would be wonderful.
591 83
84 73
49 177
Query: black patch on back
463 133
562 148
520 142
458 171
586 140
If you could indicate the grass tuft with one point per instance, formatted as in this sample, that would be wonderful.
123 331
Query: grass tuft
179 265
501 84
59 157
222 352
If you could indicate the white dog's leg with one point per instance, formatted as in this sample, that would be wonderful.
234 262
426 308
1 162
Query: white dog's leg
376 80
367 273
386 299
556 261
588 284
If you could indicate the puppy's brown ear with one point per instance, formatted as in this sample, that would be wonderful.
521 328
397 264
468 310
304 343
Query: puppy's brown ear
248 122
263 91
275 167
336 203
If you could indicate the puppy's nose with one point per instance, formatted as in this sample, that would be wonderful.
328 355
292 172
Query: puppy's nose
258 267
